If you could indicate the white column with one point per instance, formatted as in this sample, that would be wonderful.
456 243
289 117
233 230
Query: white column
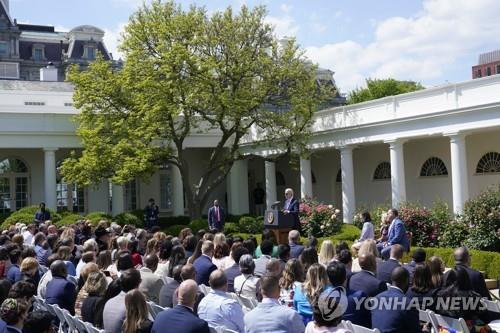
50 177
398 183
117 199
348 194
237 188
305 178
459 177
177 192
270 169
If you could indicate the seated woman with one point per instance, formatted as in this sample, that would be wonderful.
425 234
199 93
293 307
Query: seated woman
316 282
368 247
246 284
136 316
422 287
292 277
327 324
459 292
93 304
13 312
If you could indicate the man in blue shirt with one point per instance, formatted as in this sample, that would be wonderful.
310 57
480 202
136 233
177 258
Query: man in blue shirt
270 315
218 309
42 215
396 235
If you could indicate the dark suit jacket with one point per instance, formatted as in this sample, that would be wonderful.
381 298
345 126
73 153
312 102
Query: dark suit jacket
203 266
179 319
212 218
61 292
293 208
295 250
231 273
384 270
395 320
367 283
361 316
476 279
410 267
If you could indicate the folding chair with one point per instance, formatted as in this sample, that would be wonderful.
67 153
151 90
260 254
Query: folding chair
359 329
247 303
212 329
154 309
60 316
70 321
204 289
493 306
80 325
442 321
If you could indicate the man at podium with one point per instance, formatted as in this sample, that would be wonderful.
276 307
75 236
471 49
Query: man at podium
291 206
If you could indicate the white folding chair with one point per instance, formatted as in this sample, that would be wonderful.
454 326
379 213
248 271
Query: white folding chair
70 321
60 316
204 289
493 306
92 329
223 329
80 325
359 329
212 329
154 309
247 303
448 322
424 316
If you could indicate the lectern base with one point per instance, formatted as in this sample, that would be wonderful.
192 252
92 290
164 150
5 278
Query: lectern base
281 235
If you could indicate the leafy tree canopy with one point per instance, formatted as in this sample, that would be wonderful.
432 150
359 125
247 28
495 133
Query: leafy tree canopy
378 88
187 73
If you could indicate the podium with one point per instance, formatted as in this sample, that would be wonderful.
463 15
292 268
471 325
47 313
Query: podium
280 224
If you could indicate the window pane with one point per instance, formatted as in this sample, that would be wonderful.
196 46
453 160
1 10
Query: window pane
62 196
91 53
4 195
165 191
38 54
21 192
4 50
78 199
131 196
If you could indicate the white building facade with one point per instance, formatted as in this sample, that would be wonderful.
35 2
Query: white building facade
440 143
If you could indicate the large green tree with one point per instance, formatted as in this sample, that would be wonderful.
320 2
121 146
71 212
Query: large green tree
378 88
186 72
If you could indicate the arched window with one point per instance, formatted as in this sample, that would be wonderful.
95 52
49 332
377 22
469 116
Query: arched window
433 167
382 171
14 185
489 163
338 179
280 179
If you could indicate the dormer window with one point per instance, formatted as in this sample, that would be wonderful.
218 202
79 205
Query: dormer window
89 52
38 52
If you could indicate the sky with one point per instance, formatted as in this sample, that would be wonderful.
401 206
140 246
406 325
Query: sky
430 41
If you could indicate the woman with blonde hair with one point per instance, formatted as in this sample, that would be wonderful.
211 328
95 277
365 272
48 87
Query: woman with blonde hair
292 277
436 265
82 294
368 247
326 253
29 270
136 316
316 282
93 305
64 254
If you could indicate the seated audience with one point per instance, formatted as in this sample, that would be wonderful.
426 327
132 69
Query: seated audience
59 290
345 257
38 322
436 265
181 318
203 265
396 235
221 257
315 283
136 314
260 263
421 287
14 312
418 258
189 273
246 283
384 270
29 270
217 308
292 277
269 315
368 247
168 289
308 257
64 254
326 253
463 259
294 242
267 234
322 323
233 271
337 274
93 305
273 268
365 280
14 272
151 283
114 309
283 255
399 317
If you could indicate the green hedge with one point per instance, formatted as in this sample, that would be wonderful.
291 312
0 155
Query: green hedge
26 215
231 228
95 217
69 219
197 225
167 221
128 218
174 230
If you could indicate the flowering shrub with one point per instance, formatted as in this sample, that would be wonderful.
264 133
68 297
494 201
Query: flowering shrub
318 219
420 222
482 216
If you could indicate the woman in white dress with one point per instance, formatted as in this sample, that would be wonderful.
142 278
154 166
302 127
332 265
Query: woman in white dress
246 284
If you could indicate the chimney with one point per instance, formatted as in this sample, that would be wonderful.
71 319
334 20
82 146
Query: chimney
48 73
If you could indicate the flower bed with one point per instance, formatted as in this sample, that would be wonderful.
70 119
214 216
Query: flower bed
318 219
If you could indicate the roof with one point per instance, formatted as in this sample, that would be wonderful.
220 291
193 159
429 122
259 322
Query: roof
488 57
36 85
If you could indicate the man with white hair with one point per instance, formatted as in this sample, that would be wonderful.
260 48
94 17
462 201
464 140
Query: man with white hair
291 206
294 242
122 243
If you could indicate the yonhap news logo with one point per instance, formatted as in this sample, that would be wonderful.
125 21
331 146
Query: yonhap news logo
332 303
408 303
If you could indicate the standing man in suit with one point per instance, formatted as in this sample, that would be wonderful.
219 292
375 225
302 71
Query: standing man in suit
291 206
400 317
151 214
203 265
181 318
216 217
384 270
396 234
